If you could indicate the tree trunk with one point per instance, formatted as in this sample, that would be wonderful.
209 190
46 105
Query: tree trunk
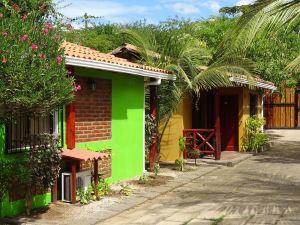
28 200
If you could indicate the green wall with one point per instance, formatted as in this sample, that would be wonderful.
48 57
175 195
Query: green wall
127 123
8 208
127 134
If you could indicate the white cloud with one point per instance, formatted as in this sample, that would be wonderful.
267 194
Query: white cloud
110 10
184 8
214 6
244 2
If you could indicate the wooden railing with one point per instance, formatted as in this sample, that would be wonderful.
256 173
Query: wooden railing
200 142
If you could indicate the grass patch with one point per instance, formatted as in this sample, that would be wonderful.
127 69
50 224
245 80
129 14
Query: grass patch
217 221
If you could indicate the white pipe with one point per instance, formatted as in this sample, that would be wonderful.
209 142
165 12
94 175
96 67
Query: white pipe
157 82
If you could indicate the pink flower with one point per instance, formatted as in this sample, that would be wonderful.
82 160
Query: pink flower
34 46
1 14
24 16
77 87
59 59
4 33
4 60
69 72
48 25
24 37
43 56
45 31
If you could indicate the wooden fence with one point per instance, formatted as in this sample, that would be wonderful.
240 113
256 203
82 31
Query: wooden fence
282 110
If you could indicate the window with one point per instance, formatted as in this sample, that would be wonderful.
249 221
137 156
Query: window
23 132
253 105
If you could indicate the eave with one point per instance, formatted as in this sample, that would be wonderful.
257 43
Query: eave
255 83
94 64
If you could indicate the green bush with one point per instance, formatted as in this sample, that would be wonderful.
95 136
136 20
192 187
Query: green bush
103 187
32 65
84 196
180 161
254 138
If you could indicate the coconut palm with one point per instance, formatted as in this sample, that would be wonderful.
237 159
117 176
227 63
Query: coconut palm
185 56
262 17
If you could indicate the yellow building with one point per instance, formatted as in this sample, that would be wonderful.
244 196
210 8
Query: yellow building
224 110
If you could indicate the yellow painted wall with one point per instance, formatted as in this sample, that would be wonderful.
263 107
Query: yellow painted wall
246 114
182 119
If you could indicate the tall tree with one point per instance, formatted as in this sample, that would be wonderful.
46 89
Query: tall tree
33 74
262 18
183 54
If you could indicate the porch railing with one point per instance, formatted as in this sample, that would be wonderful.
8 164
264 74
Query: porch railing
199 142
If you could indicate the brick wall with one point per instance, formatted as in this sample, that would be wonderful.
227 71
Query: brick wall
93 110
104 165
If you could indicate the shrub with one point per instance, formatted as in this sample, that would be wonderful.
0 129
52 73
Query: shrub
32 66
103 187
254 138
180 161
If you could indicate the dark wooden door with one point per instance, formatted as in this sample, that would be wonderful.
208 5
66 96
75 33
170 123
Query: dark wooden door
229 122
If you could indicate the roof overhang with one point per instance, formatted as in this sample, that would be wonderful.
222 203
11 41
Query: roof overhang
83 155
245 81
94 64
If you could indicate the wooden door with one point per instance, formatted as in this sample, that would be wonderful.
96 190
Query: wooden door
229 122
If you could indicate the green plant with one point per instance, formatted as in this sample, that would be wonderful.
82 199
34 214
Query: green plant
254 138
143 179
36 171
125 189
217 221
103 187
156 169
84 196
180 161
32 66
150 127
6 169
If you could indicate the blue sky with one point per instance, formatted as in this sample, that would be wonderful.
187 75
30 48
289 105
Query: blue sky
123 11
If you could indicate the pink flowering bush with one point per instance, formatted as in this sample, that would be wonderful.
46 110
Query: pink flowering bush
33 77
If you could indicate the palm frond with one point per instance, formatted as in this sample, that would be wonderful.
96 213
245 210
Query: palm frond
294 65
264 16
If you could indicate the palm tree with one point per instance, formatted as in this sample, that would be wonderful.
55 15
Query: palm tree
185 56
260 18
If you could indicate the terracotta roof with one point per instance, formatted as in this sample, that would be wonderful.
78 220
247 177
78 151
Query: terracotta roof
84 155
78 51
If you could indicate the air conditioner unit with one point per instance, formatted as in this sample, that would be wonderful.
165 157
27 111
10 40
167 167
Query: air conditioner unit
83 181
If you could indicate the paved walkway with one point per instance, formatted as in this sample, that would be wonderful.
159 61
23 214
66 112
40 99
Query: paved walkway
265 189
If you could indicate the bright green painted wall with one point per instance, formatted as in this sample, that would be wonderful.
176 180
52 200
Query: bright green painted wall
127 134
17 207
127 123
